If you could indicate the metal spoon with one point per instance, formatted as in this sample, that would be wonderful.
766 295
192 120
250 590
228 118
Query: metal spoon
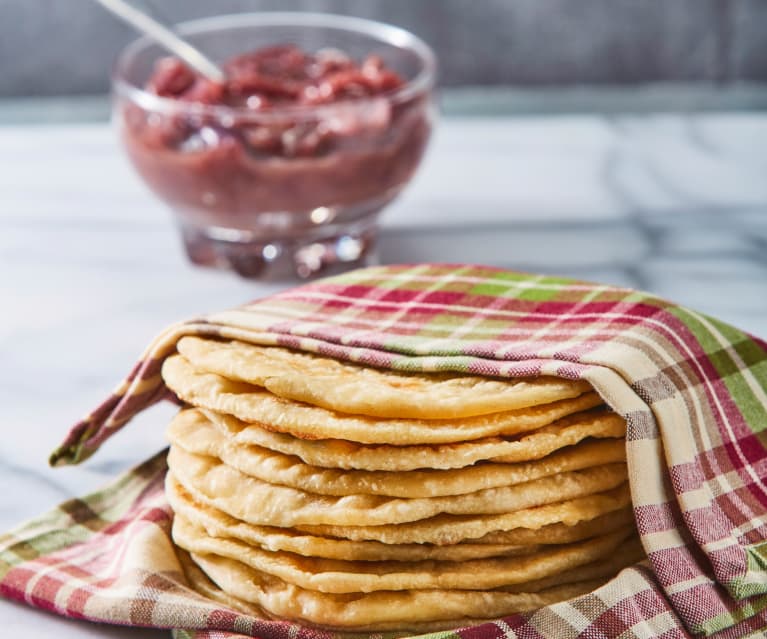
165 37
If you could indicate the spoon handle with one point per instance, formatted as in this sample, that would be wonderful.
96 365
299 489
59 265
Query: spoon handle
164 36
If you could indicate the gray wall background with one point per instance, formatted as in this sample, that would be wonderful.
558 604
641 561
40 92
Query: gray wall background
60 47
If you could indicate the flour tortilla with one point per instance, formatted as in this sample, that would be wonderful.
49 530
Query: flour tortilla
561 533
363 390
517 541
629 553
382 610
218 524
339 453
253 404
192 431
258 502
202 584
343 576
451 529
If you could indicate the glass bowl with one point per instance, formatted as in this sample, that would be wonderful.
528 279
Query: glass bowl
291 190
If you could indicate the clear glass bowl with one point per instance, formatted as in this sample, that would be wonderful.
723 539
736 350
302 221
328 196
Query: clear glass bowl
250 190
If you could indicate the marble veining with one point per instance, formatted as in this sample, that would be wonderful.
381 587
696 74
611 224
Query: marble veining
90 268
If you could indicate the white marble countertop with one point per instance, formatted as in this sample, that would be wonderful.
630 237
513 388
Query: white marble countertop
90 268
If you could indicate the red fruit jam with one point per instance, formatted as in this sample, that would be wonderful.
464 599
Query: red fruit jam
287 134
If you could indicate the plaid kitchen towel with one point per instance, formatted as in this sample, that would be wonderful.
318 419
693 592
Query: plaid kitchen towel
692 389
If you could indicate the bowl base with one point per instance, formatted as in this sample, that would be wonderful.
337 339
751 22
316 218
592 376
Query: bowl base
323 252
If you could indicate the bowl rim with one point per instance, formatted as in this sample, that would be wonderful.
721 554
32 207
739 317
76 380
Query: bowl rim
398 37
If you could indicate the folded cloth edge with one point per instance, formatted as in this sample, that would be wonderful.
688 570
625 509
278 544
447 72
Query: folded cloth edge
262 322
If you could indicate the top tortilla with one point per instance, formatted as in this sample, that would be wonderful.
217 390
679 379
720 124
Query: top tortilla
363 390
252 404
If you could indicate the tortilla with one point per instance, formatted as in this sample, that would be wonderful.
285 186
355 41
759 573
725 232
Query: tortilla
218 524
363 390
344 576
253 404
383 610
451 529
193 432
339 453
252 500
202 584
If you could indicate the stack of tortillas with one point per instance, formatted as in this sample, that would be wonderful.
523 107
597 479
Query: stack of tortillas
353 498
